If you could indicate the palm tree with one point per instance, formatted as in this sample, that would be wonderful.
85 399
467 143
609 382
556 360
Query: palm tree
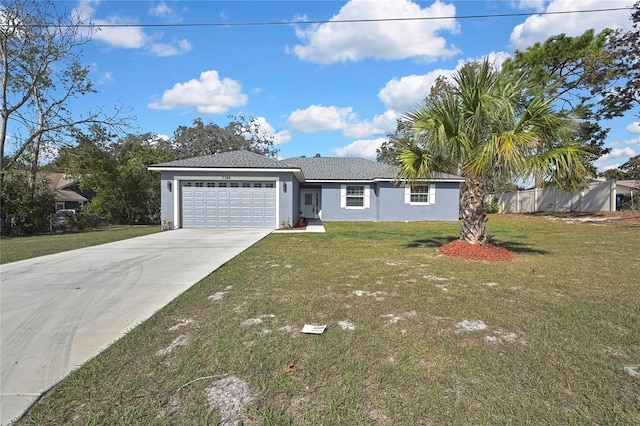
487 127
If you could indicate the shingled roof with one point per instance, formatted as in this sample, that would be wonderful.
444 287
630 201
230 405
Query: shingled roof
230 159
313 168
350 168
341 168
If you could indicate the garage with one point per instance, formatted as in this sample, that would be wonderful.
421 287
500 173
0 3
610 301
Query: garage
228 204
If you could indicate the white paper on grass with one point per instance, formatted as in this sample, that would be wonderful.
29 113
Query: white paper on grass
313 329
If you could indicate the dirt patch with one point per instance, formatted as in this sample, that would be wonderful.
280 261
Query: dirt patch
624 218
230 397
471 325
483 252
181 340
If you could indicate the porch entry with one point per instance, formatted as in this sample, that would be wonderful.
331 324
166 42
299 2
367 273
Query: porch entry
310 203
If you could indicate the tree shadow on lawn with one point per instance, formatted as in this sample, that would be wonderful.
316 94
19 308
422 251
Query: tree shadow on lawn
438 242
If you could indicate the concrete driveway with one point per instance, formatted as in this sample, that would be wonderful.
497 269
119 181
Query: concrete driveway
59 311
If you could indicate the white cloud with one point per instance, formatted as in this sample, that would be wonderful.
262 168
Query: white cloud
160 9
106 78
131 37
537 5
404 94
124 37
209 94
341 42
179 47
365 148
264 129
633 127
382 124
317 118
634 141
615 158
538 28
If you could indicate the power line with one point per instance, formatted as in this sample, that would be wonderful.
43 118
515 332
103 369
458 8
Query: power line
345 21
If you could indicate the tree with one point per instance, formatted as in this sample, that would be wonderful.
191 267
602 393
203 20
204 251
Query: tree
239 134
571 69
40 75
480 127
125 191
25 207
625 48
628 171
387 152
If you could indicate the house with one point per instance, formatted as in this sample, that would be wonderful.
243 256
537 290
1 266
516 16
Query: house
64 189
64 192
245 189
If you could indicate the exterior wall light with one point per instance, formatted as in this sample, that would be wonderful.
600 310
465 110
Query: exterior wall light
169 185
284 186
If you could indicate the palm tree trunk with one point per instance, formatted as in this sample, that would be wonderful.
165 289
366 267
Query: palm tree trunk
474 216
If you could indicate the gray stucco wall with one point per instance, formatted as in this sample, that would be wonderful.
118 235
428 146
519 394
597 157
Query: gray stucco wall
446 206
387 204
286 199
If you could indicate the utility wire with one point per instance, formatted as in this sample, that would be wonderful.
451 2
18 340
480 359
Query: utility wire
343 21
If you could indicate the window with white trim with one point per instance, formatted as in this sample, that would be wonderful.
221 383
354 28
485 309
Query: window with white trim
420 194
354 196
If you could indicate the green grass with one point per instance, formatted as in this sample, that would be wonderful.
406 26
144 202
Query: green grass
563 317
20 248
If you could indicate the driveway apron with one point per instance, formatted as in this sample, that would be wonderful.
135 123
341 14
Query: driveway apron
58 311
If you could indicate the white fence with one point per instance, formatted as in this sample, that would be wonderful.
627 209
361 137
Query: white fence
597 196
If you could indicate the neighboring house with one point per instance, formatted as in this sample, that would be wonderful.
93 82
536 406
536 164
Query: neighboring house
244 189
64 192
64 188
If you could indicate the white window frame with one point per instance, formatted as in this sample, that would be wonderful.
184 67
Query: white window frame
366 199
432 194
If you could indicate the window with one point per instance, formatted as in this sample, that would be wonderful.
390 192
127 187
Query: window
199 184
269 185
420 194
211 184
188 184
234 185
222 184
257 185
246 185
354 196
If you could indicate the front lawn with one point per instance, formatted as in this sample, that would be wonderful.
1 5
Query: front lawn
19 248
552 337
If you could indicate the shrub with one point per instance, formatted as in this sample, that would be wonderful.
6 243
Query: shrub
493 206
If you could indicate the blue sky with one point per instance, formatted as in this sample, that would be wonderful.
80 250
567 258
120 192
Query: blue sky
331 88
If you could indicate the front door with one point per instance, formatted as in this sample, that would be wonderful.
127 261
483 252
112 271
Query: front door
310 203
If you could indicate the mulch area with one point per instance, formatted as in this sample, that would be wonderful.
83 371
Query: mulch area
483 252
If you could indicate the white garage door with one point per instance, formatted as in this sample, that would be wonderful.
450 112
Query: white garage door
228 204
